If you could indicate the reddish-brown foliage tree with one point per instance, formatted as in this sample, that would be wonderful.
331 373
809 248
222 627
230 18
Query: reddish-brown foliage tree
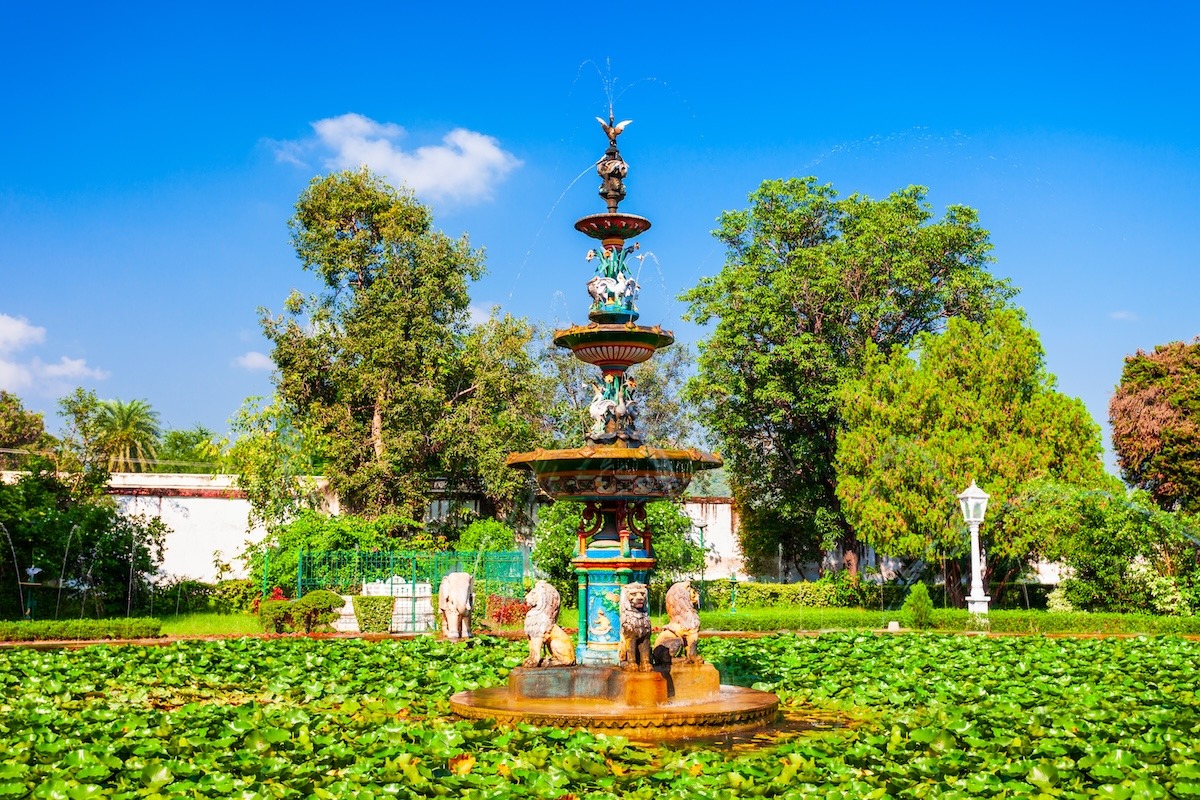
1155 417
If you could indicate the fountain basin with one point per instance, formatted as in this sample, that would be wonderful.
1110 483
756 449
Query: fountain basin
671 701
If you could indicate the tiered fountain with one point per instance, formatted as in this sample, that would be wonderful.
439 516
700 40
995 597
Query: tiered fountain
614 475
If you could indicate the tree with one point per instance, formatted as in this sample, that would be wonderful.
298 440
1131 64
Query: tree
1122 552
191 450
20 430
381 370
129 434
973 403
809 281
274 462
1155 417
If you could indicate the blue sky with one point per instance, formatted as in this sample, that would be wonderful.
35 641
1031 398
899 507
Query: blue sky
150 156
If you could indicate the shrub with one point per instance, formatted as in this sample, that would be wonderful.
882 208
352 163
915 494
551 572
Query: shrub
506 610
183 596
1057 601
235 596
374 613
80 629
487 534
275 616
316 610
918 607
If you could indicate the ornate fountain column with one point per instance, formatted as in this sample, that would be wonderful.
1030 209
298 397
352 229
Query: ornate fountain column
615 473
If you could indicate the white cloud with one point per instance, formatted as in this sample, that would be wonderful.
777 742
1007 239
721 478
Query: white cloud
1123 316
32 374
479 314
16 333
254 360
464 168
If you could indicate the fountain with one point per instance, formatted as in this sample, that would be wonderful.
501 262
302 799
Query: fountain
615 679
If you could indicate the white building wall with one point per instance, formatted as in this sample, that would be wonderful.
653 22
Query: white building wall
719 520
201 527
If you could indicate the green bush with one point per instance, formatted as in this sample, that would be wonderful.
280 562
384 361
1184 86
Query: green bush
235 596
275 616
918 608
316 610
487 535
80 629
374 614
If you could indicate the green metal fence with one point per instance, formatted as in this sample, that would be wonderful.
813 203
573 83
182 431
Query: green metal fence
415 576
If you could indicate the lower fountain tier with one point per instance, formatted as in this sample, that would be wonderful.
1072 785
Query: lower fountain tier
672 701
611 472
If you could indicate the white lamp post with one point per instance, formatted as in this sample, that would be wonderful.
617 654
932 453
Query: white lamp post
974 504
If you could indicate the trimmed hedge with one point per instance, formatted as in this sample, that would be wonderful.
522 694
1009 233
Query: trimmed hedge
840 592
374 614
946 620
80 629
315 611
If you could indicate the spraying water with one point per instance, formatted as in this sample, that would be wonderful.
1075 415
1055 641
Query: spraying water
542 226
62 573
16 566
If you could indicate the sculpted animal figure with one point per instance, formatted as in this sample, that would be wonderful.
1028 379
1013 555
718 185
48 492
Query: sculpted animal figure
634 649
548 643
683 631
456 596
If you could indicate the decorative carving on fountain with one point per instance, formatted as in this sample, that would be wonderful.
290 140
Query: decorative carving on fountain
549 645
612 168
634 649
682 633
614 410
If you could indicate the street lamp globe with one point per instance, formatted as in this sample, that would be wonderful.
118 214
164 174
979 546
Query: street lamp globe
973 502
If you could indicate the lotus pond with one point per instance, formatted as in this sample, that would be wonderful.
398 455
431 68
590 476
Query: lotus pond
929 716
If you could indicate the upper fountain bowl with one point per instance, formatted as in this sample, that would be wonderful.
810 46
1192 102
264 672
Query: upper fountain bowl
612 226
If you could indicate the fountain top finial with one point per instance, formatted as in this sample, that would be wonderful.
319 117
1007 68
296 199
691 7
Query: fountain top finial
611 130
611 167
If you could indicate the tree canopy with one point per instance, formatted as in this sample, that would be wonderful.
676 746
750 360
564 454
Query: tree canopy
20 430
129 434
973 403
1155 417
381 371
809 281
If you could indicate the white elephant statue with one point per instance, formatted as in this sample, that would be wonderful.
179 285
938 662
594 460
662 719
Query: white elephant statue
456 597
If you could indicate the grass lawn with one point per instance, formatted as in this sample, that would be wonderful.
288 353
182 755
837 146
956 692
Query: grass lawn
210 624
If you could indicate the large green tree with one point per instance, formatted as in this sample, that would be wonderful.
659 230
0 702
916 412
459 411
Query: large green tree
809 281
381 370
1155 417
973 403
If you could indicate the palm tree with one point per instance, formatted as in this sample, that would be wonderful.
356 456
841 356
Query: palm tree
129 434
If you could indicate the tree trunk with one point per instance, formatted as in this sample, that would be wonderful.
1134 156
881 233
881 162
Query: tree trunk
955 596
377 426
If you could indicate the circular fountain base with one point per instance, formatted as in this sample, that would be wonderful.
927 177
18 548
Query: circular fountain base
668 702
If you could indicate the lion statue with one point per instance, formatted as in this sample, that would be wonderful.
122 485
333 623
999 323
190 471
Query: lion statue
683 631
456 596
634 649
549 645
